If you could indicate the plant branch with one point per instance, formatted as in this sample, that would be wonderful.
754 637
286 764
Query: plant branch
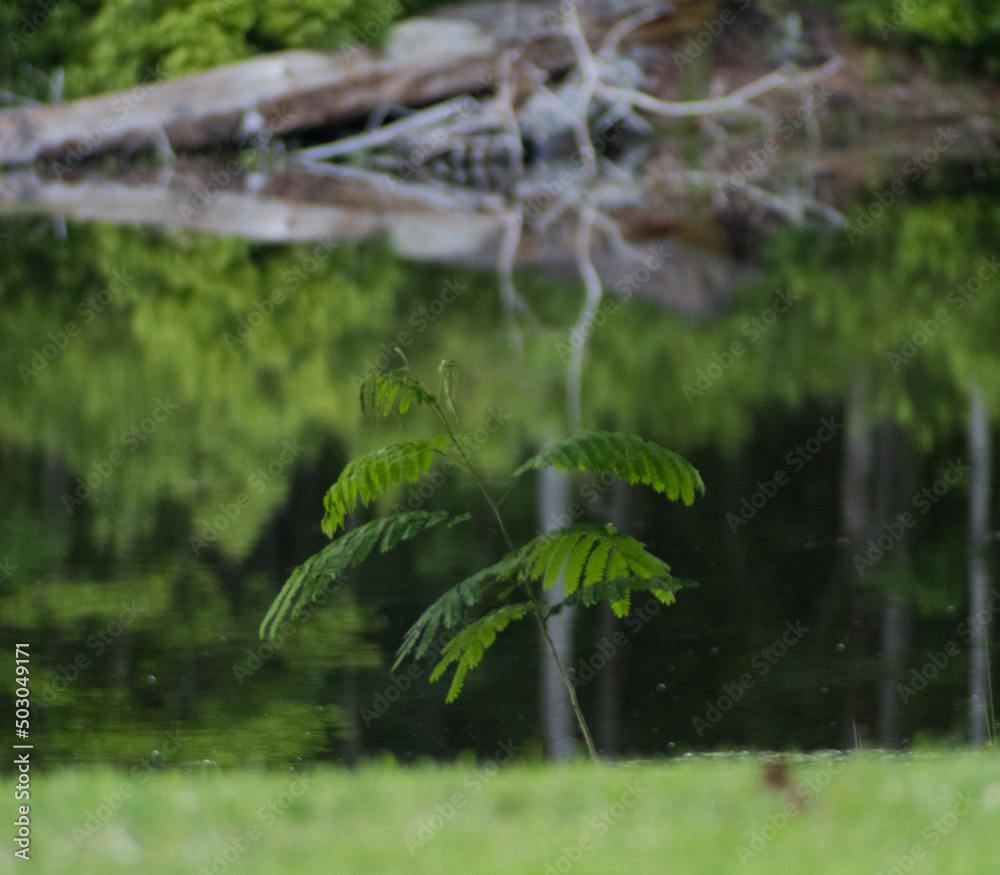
571 692
536 607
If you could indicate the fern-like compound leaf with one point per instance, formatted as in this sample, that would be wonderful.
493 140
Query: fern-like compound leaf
468 646
368 476
447 611
585 555
381 391
618 591
310 580
628 457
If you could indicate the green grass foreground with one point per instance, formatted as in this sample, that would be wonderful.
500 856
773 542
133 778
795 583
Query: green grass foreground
932 813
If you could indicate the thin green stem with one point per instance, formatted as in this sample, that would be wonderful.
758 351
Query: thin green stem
536 607
475 475
571 692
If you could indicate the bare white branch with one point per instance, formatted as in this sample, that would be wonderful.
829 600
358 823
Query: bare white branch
435 115
581 330
792 207
736 101
513 303
609 47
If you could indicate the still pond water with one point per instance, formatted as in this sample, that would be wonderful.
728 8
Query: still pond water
175 403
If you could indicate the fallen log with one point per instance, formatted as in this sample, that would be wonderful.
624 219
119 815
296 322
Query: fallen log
425 60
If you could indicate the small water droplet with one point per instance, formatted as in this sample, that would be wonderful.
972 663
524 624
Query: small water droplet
687 754
951 608
840 647
670 745
714 651
223 637
152 679
822 689
661 687
156 753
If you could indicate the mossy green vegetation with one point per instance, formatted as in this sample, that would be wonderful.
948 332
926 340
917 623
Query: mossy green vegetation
114 44
955 33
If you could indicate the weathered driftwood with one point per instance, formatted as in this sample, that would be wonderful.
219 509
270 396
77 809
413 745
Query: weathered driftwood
425 60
